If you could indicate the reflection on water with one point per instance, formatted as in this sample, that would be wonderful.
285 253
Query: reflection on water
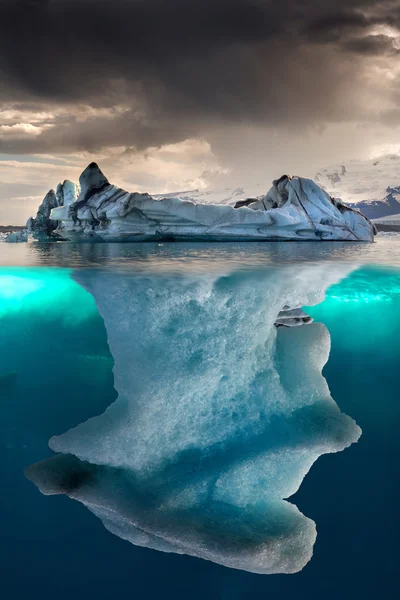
199 256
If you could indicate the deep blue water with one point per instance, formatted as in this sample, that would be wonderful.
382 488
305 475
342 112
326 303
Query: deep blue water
52 546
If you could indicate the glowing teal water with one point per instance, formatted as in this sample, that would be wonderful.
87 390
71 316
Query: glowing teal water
365 308
50 291
45 292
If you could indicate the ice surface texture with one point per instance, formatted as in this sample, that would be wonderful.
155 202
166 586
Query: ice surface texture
294 209
42 227
17 236
219 416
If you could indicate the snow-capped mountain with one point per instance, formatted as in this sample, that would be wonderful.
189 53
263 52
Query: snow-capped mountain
372 186
377 209
228 195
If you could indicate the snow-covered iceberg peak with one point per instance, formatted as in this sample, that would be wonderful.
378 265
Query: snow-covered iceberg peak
294 209
42 227
67 193
222 409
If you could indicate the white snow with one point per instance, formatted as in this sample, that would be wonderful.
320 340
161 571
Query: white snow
218 196
67 193
361 180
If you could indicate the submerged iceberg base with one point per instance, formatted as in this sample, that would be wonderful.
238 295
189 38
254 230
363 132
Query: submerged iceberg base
222 410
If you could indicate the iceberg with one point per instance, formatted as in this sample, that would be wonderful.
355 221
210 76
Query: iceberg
42 227
222 409
16 237
295 208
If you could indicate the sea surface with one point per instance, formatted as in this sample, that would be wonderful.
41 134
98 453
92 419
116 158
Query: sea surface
62 309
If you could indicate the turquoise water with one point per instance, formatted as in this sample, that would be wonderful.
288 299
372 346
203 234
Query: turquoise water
56 371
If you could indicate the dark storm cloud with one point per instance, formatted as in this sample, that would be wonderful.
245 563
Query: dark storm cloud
372 45
185 66
333 26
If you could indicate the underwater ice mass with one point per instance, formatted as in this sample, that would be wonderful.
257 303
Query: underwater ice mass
222 409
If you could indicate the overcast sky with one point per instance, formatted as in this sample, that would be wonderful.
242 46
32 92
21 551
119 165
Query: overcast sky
179 94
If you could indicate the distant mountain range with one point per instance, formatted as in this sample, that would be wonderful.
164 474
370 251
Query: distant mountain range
372 186
9 228
227 195
378 209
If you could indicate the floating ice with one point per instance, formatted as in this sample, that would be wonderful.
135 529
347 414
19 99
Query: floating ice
17 237
294 209
222 409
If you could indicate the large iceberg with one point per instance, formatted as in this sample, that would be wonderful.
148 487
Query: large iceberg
295 208
222 409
